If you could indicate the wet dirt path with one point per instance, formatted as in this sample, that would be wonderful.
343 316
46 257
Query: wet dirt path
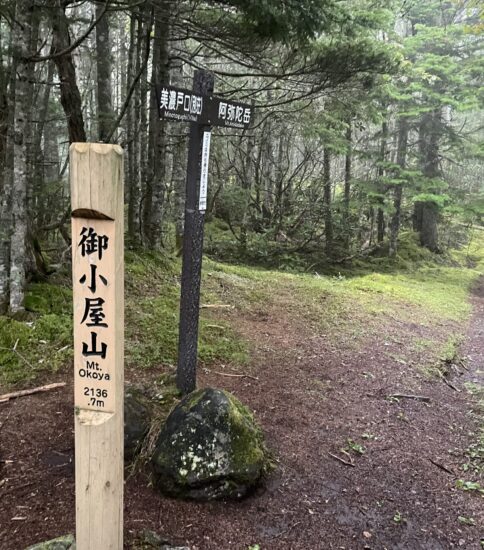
313 399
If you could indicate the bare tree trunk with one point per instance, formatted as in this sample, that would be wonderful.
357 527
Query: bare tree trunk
155 185
6 195
427 212
398 191
70 96
347 188
6 192
22 33
381 172
328 219
131 139
39 153
105 113
247 183
268 167
3 111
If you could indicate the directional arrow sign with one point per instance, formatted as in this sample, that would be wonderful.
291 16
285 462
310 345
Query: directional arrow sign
181 105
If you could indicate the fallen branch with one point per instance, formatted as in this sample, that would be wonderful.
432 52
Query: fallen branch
347 463
416 397
451 386
442 467
215 306
234 375
21 393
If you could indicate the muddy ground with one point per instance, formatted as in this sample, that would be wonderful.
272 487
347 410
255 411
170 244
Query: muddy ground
311 398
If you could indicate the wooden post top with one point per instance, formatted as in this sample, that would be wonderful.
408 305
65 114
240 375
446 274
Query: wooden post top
96 192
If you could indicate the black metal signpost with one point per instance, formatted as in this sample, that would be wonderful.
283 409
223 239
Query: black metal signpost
202 110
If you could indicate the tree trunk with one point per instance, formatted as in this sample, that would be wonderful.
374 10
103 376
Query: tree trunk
347 188
3 112
131 138
380 218
6 194
69 92
179 147
247 182
105 113
398 191
155 185
39 152
426 213
328 219
21 40
268 167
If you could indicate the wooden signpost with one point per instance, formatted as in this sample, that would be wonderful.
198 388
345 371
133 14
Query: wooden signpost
202 110
96 172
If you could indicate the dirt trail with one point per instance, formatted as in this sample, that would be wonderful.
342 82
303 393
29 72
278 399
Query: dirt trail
474 348
311 399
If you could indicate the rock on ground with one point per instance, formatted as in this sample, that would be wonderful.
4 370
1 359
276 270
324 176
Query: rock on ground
66 542
137 417
209 448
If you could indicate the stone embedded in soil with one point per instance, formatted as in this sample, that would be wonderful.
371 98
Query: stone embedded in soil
137 417
209 448
66 542
149 540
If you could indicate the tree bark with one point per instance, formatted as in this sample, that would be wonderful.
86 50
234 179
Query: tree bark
105 113
426 213
22 34
179 163
3 112
328 218
69 91
347 184
131 138
380 218
6 193
398 191
155 185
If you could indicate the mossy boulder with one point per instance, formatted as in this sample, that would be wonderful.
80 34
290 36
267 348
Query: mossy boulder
62 543
137 419
209 448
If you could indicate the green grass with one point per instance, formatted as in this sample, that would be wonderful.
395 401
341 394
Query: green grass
43 344
353 306
346 307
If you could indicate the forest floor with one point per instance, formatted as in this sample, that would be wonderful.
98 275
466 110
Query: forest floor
357 466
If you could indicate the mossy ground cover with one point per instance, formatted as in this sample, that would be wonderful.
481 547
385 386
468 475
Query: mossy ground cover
354 305
42 344
350 305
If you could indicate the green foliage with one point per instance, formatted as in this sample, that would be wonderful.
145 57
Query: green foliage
152 315
286 22
44 344
49 298
32 348
469 486
466 520
355 447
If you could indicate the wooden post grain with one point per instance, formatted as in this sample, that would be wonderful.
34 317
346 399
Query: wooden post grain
96 172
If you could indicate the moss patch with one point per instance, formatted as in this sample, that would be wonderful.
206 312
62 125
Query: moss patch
210 447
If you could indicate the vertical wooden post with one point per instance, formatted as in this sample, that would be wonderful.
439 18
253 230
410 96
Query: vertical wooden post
96 172
203 82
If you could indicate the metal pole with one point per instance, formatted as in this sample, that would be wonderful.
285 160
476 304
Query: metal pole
203 83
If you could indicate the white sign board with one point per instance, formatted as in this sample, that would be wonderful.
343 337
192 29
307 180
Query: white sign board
202 201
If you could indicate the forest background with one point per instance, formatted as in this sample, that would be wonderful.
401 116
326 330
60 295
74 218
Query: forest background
367 138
